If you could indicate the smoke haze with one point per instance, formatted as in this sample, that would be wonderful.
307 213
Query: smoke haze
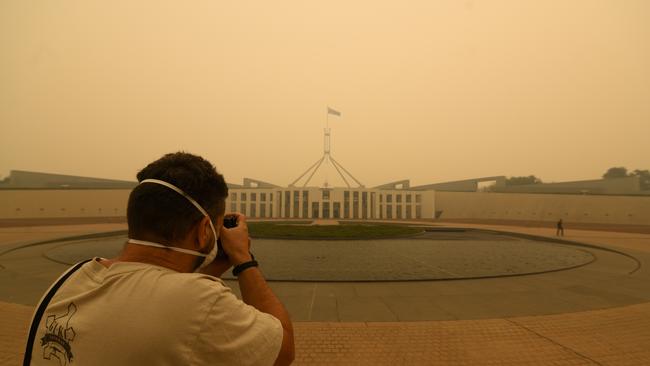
428 90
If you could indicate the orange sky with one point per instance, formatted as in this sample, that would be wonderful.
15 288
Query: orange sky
429 90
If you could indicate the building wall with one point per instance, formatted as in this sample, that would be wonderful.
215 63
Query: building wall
253 202
626 185
630 210
61 203
405 204
467 185
334 203
20 179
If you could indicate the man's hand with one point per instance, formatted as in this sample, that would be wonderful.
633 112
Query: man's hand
236 242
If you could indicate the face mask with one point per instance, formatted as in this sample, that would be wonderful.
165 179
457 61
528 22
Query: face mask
208 258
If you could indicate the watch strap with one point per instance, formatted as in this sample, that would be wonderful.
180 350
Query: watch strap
244 266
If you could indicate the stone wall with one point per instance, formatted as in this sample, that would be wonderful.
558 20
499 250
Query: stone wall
62 203
625 210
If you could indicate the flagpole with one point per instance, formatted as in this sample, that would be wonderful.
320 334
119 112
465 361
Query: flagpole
327 118
326 146
326 152
327 156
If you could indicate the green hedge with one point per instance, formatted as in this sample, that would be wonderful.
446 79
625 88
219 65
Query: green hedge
346 231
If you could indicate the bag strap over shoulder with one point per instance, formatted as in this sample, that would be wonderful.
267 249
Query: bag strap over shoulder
40 310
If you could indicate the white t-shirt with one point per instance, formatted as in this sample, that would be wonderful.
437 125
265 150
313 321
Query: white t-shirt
140 314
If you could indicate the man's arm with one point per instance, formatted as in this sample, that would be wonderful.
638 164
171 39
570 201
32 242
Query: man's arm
257 293
254 289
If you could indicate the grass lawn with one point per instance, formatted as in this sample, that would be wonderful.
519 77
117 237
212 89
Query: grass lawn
346 231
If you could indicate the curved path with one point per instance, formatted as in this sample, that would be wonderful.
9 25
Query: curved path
577 333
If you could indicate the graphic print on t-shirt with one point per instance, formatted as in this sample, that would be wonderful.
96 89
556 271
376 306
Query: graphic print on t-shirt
58 335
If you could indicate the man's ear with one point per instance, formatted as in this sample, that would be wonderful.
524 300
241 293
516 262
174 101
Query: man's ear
203 233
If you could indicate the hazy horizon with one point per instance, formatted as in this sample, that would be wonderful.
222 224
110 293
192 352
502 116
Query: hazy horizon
429 91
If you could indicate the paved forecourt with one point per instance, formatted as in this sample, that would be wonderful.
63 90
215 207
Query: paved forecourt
439 275
497 330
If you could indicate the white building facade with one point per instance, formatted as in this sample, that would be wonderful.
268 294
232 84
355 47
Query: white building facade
332 203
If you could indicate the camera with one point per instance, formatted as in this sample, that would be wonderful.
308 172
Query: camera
230 221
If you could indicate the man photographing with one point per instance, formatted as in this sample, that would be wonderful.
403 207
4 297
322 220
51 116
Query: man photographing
161 302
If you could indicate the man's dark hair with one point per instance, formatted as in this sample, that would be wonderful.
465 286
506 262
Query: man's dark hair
156 212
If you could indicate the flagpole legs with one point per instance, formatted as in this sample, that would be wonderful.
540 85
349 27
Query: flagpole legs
316 164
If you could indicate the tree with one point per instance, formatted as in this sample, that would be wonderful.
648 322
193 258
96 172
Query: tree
518 181
616 172
644 178
621 172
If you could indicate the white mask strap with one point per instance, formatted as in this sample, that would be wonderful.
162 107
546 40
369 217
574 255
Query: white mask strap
171 186
152 244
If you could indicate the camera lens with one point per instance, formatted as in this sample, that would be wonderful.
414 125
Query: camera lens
230 222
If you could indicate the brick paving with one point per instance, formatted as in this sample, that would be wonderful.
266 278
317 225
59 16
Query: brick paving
618 336
615 336
13 322
427 343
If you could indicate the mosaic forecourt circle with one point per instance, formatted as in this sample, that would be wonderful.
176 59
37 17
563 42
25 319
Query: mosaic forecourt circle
436 255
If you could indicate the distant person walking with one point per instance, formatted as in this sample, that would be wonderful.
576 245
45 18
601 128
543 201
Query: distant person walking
560 228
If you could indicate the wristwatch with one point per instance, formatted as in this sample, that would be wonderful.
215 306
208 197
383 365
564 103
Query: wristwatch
244 266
